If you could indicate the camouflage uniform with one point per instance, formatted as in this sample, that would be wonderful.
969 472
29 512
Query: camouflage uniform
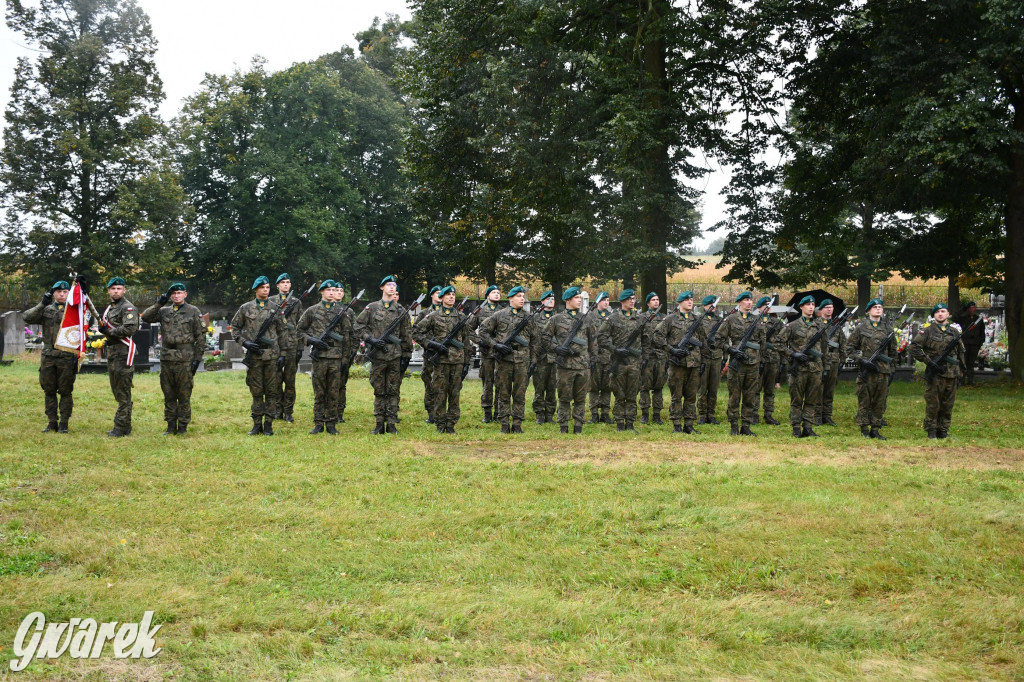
940 390
743 375
261 377
446 382
572 373
837 351
124 318
653 376
805 383
511 377
182 342
769 370
386 370
326 371
872 387
600 380
684 378
973 340
428 368
291 349
612 334
544 396
711 356
57 368
486 361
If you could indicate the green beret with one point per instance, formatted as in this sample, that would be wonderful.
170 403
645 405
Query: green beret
516 290
547 294
970 303
447 290
745 294
570 292
283 275
872 303
805 300
647 299
260 281
115 281
338 283
60 285
626 293
177 286
683 296
763 301
493 287
389 278
433 289
707 300
601 296
327 283
825 302
939 306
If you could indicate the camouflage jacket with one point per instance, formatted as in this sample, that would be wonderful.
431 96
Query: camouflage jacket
584 346
544 352
712 349
182 332
604 355
123 316
794 338
773 328
486 310
932 340
288 340
614 332
652 352
248 320
498 326
342 340
376 318
866 338
733 329
837 348
50 317
672 330
436 326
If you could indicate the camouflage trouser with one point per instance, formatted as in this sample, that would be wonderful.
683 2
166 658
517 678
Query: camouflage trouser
286 383
939 397
386 379
57 377
743 383
828 390
264 387
707 390
342 387
176 382
625 386
446 385
871 396
510 382
326 377
428 395
971 360
120 374
544 399
804 396
487 377
572 388
682 385
651 384
768 378
600 390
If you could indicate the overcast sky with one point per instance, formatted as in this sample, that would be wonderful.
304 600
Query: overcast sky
216 36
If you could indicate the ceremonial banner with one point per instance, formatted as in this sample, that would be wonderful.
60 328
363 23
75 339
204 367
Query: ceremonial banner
128 342
72 335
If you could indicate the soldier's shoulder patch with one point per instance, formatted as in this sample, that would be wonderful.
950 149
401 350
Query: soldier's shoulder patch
926 325
128 316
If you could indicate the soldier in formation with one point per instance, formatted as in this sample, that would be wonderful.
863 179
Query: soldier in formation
835 352
944 369
600 380
514 339
805 367
573 353
711 356
119 323
291 349
626 356
427 371
544 394
348 325
57 368
873 379
444 335
263 354
329 350
384 326
491 298
973 340
653 373
682 336
182 343
770 362
744 335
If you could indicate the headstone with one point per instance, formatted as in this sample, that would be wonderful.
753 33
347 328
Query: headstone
232 349
13 324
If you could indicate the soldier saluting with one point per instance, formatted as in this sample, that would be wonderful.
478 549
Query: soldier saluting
389 352
119 323
448 360
943 373
182 342
264 359
57 368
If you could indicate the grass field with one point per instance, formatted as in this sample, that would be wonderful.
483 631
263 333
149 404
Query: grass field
484 556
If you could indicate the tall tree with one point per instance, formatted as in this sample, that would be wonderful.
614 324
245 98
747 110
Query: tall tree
82 160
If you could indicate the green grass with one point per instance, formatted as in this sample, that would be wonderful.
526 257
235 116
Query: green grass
494 557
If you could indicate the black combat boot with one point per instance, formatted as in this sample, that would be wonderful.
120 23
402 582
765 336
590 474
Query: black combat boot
866 432
440 428
931 435
657 418
268 426
341 419
797 433
117 432
677 428
606 418
629 428
563 428
62 427
884 423
517 427
182 428
734 430
257 426
713 420
768 419
809 433
449 428
331 428
504 428
594 418
318 427
875 433
172 429
288 417
620 426
702 420
756 420
378 430
52 426
429 420
745 431
541 420
487 416
391 428
942 433
577 429
690 430
644 416
817 421
827 421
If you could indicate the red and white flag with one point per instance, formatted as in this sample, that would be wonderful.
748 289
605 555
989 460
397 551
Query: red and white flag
130 342
72 334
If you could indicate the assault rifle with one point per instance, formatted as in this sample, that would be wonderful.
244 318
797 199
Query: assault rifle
740 349
389 334
934 367
563 350
283 311
613 369
321 342
832 332
809 347
514 336
437 347
869 364
718 325
679 351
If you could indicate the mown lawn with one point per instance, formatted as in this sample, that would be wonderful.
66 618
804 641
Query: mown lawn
484 556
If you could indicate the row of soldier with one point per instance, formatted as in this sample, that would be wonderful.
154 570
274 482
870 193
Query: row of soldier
626 353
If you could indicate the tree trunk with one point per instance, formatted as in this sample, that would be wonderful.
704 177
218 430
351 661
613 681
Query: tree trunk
863 292
1015 254
953 296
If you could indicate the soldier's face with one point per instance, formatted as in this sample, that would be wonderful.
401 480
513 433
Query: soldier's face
61 295
629 303
654 303
941 315
548 302
517 301
284 286
826 312
262 291
116 292
178 297
875 311
448 299
745 305
494 296
603 305
337 293
686 305
390 290
970 310
807 309
574 303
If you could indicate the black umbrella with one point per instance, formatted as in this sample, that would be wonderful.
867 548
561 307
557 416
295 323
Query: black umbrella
819 296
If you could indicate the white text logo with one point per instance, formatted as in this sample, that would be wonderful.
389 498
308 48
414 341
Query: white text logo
82 638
